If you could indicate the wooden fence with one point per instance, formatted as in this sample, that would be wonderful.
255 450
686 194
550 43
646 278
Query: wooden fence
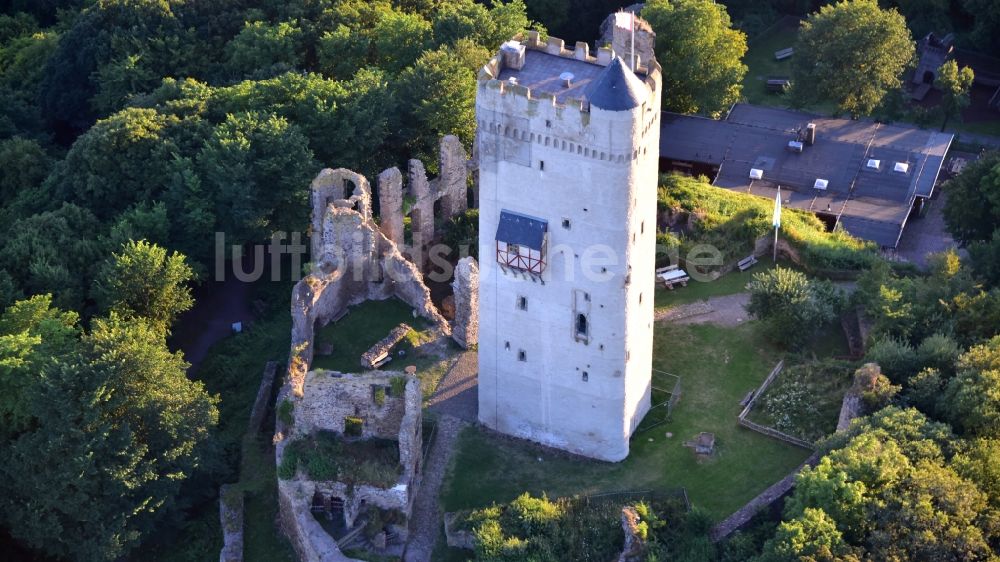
770 431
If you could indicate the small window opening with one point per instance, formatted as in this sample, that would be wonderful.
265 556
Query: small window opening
506 345
521 355
548 123
581 325
522 303
585 376
541 165
565 224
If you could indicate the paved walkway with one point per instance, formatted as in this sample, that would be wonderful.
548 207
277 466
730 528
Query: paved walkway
927 234
457 393
427 515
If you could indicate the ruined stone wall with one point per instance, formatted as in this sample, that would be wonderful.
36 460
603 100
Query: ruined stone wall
465 329
330 397
310 541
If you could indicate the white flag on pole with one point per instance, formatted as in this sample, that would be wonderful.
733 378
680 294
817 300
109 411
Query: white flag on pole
776 218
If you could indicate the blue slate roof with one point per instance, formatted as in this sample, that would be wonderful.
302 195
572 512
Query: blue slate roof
515 228
617 88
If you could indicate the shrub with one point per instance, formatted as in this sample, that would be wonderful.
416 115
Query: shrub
289 463
923 391
380 396
897 359
876 390
792 307
353 426
286 412
398 385
939 352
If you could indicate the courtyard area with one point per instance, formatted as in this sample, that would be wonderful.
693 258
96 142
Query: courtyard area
717 366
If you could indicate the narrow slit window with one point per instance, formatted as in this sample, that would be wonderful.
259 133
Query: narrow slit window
581 325
521 355
522 303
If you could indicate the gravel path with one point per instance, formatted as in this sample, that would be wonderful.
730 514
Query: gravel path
457 393
426 516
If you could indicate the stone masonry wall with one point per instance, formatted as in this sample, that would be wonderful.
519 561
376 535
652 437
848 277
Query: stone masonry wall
465 330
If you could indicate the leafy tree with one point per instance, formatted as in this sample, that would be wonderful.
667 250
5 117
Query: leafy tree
792 307
122 160
986 23
700 53
972 398
979 461
342 51
25 165
933 514
440 97
923 16
954 84
486 27
972 213
896 357
258 165
106 31
811 536
32 334
261 47
53 252
144 281
851 53
399 39
117 427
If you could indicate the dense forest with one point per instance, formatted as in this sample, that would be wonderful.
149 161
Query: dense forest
131 131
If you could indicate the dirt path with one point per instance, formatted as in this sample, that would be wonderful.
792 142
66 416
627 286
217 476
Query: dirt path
426 516
725 310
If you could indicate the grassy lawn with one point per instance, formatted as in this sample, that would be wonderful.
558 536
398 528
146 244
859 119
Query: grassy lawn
369 322
761 64
363 327
718 367
729 284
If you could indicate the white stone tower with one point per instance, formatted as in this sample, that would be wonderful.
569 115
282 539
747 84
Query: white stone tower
568 151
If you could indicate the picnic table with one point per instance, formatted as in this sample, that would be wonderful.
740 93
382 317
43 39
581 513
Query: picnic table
672 275
783 54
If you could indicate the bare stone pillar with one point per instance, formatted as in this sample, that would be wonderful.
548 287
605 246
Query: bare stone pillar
422 214
466 286
454 177
390 198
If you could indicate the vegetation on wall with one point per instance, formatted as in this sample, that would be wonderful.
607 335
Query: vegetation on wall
731 222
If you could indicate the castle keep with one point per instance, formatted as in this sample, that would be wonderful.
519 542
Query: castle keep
568 149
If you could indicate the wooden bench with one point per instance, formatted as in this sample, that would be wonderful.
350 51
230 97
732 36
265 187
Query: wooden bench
778 85
672 275
746 263
784 53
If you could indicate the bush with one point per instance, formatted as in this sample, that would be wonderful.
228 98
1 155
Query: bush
792 307
398 385
939 352
353 426
923 391
286 412
876 390
289 463
380 396
897 359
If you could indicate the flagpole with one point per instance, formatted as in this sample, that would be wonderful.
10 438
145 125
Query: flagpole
633 41
777 222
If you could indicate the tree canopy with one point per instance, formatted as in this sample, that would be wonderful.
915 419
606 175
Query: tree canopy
851 54
701 55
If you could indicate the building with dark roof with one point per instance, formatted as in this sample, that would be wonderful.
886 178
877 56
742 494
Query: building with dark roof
866 177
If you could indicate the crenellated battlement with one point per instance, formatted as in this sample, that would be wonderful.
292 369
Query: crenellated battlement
513 54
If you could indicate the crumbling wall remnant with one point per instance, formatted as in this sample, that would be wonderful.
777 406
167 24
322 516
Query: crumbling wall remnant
465 329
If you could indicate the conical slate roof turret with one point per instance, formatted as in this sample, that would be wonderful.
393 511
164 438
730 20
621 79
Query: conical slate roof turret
617 88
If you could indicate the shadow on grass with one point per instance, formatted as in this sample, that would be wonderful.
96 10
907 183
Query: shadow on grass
717 366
